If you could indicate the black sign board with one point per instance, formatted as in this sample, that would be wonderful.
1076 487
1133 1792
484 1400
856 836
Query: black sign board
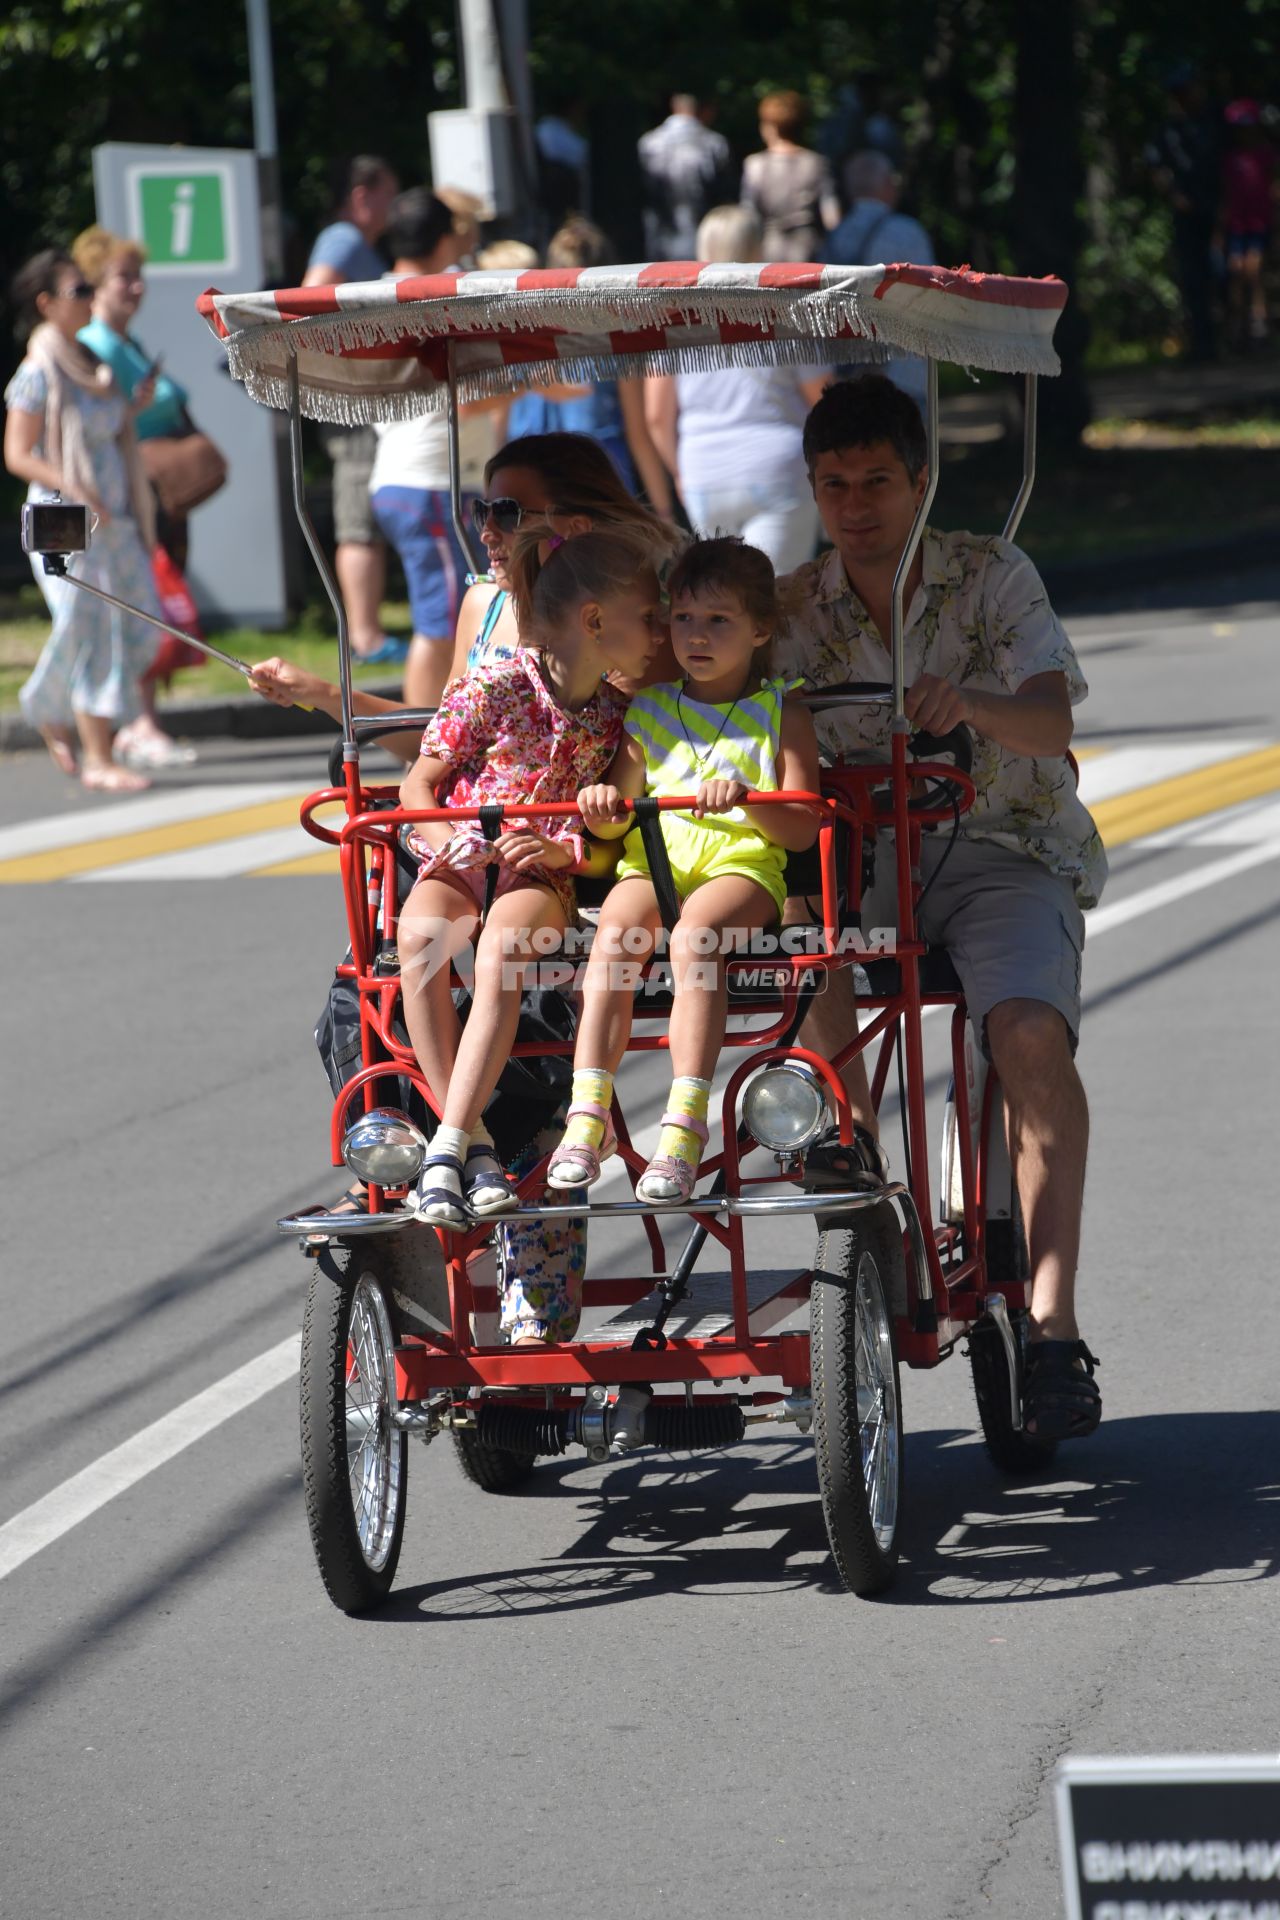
1194 1838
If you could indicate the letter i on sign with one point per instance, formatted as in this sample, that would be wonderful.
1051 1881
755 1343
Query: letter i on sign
183 213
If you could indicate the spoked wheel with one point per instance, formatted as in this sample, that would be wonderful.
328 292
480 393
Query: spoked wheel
857 1411
993 1384
353 1456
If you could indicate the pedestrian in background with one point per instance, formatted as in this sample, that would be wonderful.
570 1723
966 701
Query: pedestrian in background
788 186
346 250
733 437
1186 163
685 170
1248 203
113 266
409 480
610 412
69 431
872 232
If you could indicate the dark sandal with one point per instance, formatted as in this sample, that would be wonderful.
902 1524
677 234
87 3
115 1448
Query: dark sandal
485 1187
864 1164
439 1206
1061 1400
354 1201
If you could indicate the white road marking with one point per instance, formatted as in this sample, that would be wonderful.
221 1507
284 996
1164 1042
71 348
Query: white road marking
147 810
220 861
38 1526
1245 825
1129 769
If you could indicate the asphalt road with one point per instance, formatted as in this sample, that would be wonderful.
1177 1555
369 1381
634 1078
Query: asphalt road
635 1687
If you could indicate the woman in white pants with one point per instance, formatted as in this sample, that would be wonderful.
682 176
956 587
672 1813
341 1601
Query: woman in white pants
732 439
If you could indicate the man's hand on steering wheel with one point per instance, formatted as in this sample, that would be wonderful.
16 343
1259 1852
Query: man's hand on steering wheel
936 705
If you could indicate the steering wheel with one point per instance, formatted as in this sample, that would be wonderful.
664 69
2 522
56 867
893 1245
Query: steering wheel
956 745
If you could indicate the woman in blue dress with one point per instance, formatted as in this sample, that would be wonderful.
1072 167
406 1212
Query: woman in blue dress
69 431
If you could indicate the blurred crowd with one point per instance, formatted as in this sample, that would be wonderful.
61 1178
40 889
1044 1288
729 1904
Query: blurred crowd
92 411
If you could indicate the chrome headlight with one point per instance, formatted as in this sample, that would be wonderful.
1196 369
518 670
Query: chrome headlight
784 1106
384 1148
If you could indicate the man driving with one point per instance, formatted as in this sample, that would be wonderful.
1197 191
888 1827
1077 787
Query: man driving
982 647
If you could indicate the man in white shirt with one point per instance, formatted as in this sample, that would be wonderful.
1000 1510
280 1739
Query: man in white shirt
409 483
685 169
983 648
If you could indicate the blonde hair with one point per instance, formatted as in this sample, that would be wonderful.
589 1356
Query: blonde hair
579 243
515 255
730 233
592 566
97 250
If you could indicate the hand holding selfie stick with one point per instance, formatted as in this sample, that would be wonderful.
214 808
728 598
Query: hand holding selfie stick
56 530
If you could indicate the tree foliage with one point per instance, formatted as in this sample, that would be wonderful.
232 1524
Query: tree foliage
355 75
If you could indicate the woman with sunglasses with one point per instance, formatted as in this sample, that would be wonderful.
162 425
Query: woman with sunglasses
69 431
561 481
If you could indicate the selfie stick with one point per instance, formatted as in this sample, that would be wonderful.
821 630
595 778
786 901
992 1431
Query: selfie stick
56 563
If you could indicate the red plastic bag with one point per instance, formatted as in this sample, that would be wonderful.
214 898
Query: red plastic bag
179 608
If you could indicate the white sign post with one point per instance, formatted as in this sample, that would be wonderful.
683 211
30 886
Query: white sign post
196 211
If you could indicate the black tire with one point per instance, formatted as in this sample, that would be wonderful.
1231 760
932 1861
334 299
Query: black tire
493 1468
853 1344
1011 1450
356 1538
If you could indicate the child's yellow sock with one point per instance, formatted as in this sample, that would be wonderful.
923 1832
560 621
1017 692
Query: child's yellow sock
688 1099
592 1090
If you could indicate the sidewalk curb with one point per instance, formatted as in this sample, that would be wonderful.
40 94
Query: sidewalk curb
1071 588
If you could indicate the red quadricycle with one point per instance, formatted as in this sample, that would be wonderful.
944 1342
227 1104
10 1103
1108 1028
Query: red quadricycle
400 1336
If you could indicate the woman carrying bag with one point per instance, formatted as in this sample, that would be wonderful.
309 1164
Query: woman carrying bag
69 430
182 464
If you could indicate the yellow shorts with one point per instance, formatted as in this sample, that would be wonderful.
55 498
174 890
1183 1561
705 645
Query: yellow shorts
700 851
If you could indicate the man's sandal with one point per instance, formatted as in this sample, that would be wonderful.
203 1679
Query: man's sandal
1061 1400
573 1163
864 1164
485 1187
665 1168
440 1206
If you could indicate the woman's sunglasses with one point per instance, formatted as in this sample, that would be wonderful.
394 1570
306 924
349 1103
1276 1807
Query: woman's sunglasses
506 515
80 291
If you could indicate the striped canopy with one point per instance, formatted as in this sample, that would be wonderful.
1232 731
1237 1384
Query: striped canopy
381 350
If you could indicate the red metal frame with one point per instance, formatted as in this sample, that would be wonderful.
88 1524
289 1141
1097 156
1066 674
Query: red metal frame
853 796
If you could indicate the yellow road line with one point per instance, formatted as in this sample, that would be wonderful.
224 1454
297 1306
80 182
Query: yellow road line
306 863
1131 816
61 863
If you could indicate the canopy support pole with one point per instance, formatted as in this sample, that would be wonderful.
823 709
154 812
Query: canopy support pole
460 526
350 751
913 543
1019 506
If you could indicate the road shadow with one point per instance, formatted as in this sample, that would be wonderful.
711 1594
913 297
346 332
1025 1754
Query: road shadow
1178 1499
1165 1500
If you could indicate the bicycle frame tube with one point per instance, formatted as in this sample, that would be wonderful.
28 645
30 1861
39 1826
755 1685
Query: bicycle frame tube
349 749
913 543
1019 506
455 473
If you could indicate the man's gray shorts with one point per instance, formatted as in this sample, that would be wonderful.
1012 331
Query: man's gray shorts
1012 927
352 451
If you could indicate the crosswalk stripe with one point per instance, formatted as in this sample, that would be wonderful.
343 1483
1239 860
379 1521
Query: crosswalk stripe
1167 803
1136 792
65 862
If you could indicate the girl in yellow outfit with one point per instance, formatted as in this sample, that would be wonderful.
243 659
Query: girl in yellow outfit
721 732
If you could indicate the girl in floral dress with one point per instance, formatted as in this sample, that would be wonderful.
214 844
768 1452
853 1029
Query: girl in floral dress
536 727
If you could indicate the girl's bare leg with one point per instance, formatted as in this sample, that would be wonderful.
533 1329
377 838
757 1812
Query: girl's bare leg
502 960
608 990
712 915
436 923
